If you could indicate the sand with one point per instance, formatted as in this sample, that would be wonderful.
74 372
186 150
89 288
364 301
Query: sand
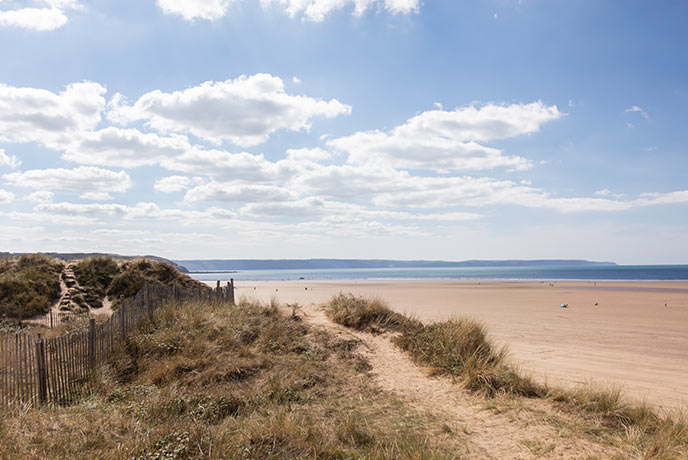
629 339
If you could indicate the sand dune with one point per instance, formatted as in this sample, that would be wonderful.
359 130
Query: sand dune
629 338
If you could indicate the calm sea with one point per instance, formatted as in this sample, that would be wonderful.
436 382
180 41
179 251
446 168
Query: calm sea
620 272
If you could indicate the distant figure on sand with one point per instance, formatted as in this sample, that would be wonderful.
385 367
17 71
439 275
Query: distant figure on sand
564 305
666 304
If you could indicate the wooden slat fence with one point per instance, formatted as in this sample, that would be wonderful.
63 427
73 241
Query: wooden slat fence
36 370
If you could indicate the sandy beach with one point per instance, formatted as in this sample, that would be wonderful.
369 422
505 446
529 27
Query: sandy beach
616 333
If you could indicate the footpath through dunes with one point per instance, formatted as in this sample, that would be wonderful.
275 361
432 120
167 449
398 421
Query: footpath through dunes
616 333
500 428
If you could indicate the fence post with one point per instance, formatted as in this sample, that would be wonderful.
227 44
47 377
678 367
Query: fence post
121 310
42 374
91 344
230 287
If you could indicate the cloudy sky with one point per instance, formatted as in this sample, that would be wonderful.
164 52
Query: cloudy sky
435 129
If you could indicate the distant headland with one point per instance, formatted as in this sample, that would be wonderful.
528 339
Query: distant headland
319 264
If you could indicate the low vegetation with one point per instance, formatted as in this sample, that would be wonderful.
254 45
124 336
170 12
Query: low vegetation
205 381
28 285
369 315
134 274
94 276
462 349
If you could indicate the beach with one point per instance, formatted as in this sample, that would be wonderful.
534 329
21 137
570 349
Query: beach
616 333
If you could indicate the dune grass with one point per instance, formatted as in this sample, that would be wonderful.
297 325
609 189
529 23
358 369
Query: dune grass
134 274
94 274
29 284
218 382
461 348
369 315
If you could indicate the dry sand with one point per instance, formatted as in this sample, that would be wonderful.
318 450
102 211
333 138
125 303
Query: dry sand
629 338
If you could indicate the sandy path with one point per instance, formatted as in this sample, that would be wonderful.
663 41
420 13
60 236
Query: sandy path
628 339
519 434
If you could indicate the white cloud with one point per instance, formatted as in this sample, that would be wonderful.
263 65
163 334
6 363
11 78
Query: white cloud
88 212
316 10
6 197
308 207
639 110
195 9
50 16
125 148
175 183
38 115
448 140
236 193
96 196
314 155
245 110
41 196
7 160
84 179
41 19
226 166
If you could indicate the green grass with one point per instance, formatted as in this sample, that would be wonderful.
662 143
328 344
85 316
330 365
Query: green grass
369 315
461 348
134 274
28 285
94 274
217 382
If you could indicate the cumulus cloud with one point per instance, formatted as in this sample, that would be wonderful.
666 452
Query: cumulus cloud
41 196
124 148
442 140
244 111
85 179
236 193
195 9
316 10
39 115
46 15
96 196
6 197
226 166
143 210
175 183
9 160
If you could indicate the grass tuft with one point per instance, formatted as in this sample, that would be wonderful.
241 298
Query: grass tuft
461 348
366 315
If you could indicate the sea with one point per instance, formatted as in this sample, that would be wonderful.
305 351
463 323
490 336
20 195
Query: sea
551 273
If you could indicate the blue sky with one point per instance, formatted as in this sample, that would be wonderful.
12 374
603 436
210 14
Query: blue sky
345 128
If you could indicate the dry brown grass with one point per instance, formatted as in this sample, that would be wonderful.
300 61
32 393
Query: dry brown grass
462 349
369 315
219 382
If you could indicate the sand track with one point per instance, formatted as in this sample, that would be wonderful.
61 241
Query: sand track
520 432
629 339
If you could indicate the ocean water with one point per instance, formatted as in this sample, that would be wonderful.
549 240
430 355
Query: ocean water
591 273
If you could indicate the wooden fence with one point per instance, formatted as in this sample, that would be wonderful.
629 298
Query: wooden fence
36 370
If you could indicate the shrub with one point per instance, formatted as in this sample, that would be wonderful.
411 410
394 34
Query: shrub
28 285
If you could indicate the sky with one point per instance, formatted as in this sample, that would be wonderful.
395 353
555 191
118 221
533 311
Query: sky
399 129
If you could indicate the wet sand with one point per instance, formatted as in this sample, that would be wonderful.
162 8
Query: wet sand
628 339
